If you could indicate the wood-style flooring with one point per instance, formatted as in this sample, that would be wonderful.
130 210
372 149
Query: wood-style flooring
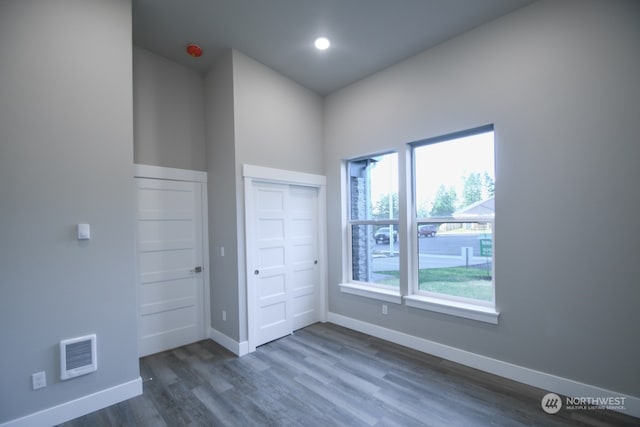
326 375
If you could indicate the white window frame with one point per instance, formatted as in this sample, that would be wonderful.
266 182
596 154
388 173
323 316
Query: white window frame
355 287
484 311
407 292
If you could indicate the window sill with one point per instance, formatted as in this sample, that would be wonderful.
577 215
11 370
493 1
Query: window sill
387 295
453 308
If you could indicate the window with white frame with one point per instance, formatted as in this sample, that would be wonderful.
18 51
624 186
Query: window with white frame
454 177
373 221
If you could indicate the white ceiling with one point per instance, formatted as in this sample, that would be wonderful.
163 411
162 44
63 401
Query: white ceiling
366 35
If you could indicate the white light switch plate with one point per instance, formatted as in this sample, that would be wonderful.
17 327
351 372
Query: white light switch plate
84 232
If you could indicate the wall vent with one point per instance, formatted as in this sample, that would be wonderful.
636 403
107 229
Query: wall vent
78 356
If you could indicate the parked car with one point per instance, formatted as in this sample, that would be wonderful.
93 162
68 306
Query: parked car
427 230
382 235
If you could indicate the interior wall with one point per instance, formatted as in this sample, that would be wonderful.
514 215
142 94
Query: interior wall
223 214
559 80
65 158
169 113
278 124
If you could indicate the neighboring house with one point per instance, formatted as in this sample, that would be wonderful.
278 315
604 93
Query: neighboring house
481 208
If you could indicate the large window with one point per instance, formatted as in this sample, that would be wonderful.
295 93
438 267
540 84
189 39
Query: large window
454 179
447 237
373 220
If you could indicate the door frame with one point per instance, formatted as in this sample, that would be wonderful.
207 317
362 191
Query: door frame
252 174
174 174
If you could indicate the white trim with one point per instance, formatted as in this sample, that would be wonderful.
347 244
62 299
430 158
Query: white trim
237 348
252 307
78 407
387 295
322 253
253 174
160 172
453 308
206 276
543 380
282 176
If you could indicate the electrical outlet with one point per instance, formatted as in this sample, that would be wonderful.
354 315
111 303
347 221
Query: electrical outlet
39 380
224 315
385 309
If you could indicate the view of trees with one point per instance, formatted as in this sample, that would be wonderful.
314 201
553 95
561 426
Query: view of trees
445 202
476 186
381 209
472 190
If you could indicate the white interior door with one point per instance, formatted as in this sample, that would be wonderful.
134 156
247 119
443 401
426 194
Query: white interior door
284 242
170 260
303 247
270 273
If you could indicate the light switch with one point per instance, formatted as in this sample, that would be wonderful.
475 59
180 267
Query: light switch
84 232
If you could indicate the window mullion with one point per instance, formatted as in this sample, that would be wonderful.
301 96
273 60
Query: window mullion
374 222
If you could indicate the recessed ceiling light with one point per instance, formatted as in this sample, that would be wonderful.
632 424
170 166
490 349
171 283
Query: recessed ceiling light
322 43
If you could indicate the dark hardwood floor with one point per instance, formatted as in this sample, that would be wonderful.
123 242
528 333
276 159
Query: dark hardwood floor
326 375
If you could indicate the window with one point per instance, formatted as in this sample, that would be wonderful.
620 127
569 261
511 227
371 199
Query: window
454 179
373 221
448 236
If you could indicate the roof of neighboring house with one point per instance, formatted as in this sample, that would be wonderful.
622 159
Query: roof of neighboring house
480 208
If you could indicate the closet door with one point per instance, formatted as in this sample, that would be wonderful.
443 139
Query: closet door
283 278
270 280
303 246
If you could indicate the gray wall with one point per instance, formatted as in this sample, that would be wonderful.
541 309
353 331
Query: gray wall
223 214
66 136
275 123
559 79
168 111
279 123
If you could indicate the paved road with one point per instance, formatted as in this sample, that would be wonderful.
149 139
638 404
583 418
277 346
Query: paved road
444 250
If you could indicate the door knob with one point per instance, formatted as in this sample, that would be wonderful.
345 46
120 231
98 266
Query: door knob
256 272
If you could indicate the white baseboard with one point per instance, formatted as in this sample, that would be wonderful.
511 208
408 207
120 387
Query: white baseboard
237 348
76 408
508 370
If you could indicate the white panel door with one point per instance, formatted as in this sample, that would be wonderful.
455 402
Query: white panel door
303 246
284 242
170 281
270 274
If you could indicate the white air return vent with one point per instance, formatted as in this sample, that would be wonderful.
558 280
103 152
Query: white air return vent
78 356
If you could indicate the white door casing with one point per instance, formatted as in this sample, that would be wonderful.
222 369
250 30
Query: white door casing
171 226
285 252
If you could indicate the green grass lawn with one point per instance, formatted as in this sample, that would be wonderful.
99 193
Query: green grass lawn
464 282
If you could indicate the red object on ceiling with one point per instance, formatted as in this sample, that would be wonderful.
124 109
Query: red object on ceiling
194 50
